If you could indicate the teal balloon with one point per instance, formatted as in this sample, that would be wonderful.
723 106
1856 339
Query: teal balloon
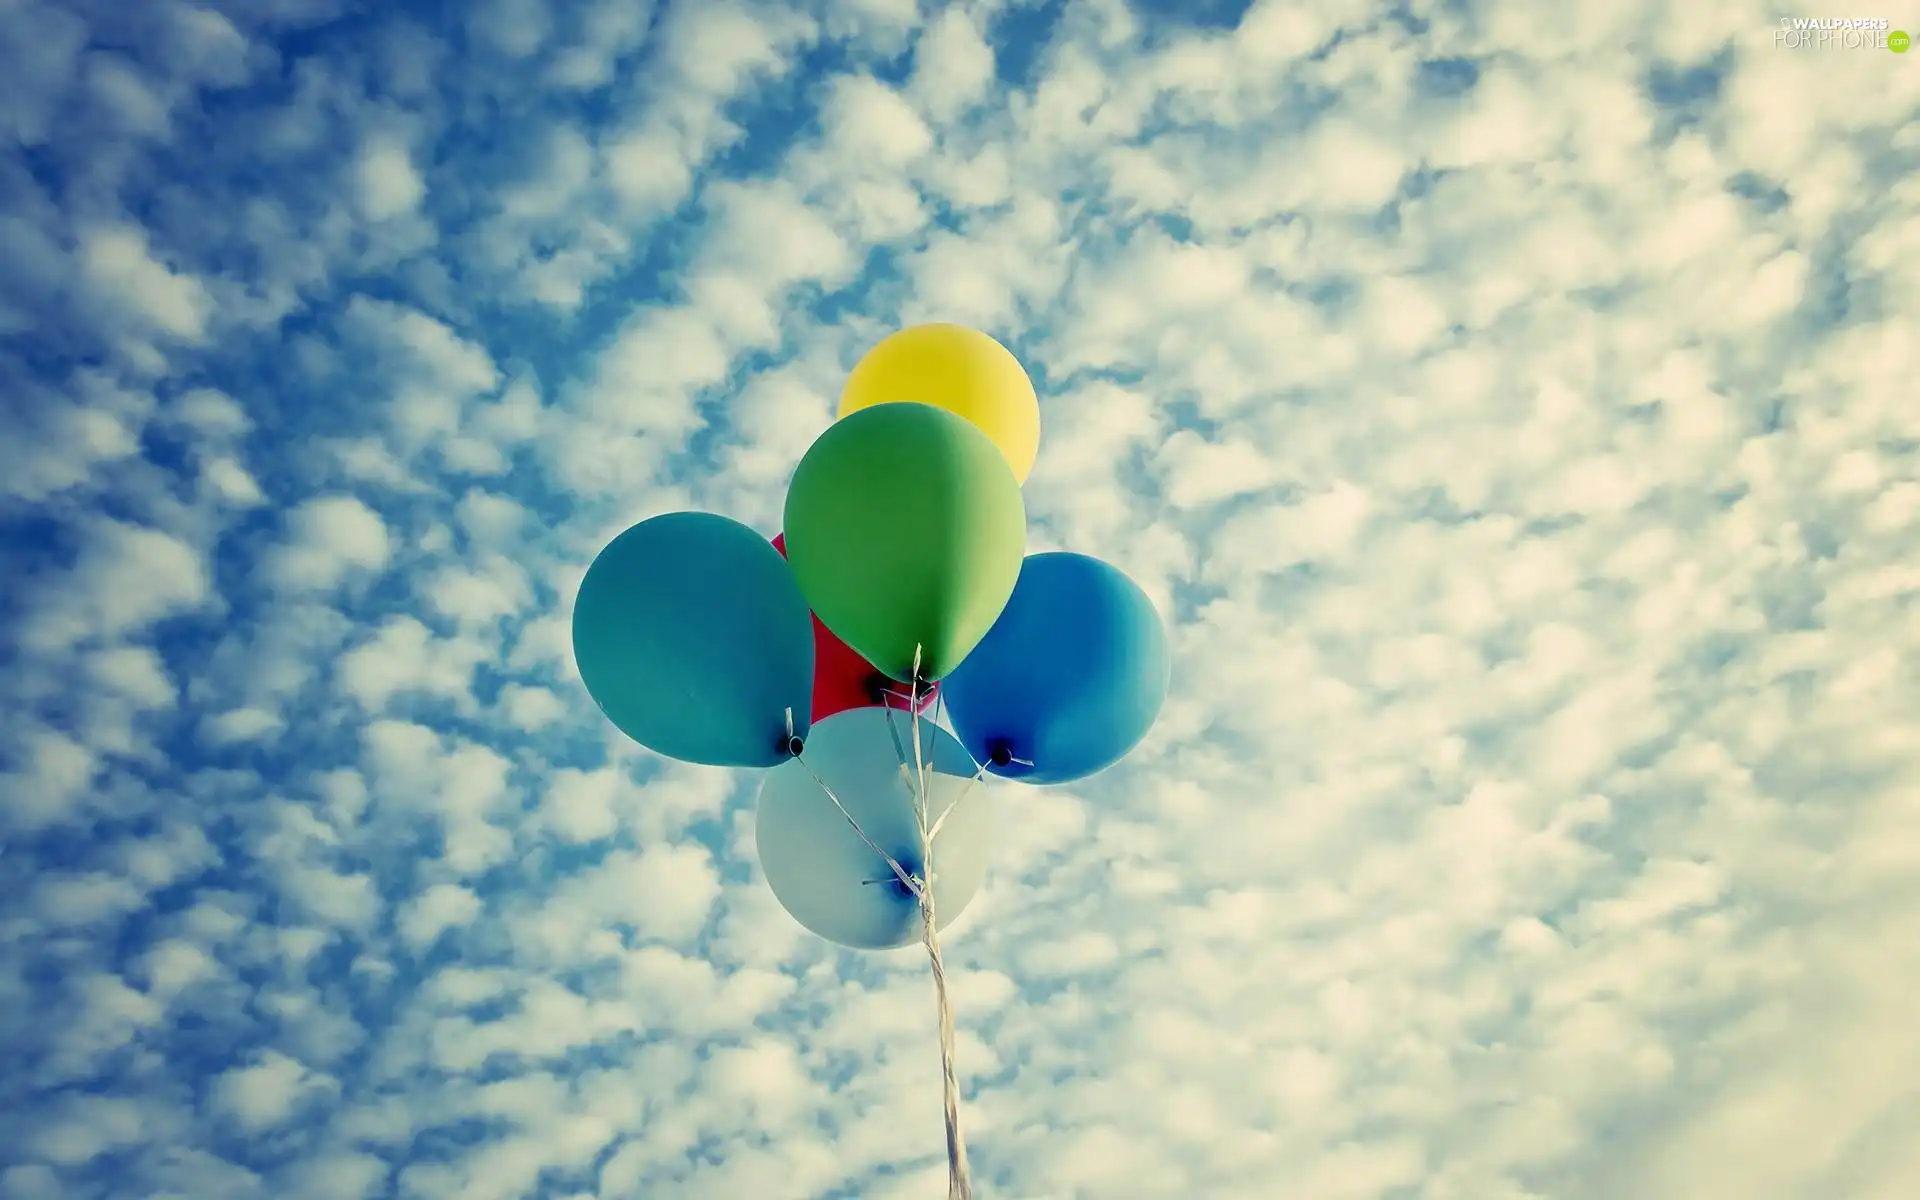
821 871
694 640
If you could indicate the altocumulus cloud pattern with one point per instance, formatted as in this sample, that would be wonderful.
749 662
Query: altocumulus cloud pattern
1509 406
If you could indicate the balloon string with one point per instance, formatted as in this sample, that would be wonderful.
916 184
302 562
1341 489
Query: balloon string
959 1173
900 752
906 777
942 819
979 773
919 759
906 879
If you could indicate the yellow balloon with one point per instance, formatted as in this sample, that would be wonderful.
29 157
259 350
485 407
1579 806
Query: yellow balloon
961 370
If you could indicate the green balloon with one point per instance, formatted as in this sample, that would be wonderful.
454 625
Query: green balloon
905 530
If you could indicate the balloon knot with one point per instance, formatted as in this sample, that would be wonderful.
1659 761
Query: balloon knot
1000 754
793 745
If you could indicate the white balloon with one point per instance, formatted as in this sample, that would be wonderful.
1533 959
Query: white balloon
818 866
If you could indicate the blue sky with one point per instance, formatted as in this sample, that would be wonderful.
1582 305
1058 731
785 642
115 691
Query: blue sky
1509 406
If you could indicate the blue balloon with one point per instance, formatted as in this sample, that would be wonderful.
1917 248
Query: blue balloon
694 640
1068 680
821 870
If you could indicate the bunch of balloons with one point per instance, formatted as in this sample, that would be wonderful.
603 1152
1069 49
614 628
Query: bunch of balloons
901 577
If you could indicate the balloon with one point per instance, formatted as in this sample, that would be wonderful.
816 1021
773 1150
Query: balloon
691 636
1069 679
960 370
905 529
819 868
843 680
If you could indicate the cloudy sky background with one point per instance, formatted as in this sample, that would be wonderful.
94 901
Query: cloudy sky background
1511 406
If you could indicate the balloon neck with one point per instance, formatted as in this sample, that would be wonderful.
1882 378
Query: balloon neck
1000 754
887 692
792 746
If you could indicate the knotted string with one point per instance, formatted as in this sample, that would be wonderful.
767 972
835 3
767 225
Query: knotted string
959 1173
919 778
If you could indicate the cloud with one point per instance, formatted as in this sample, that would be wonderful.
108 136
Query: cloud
118 265
1509 411
266 1093
514 27
332 538
441 907
872 124
390 186
952 65
125 578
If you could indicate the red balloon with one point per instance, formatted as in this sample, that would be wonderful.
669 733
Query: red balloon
843 680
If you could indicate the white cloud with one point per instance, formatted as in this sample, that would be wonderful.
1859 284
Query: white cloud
130 282
343 1176
424 349
106 1016
869 123
952 64
171 967
93 1126
441 907
663 893
1200 472
478 597
333 898
48 777
126 578
389 183
648 167
332 539
58 444
607 30
401 657
530 708
231 483
208 46
126 95
514 27
78 901
459 786
267 1092
582 806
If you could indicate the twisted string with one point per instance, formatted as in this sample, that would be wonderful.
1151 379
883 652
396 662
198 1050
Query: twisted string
918 776
959 1172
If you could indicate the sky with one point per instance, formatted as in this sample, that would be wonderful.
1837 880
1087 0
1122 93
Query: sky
1508 405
